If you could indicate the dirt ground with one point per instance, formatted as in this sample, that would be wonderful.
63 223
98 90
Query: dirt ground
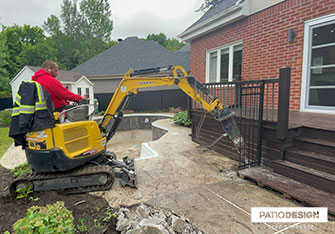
187 178
83 206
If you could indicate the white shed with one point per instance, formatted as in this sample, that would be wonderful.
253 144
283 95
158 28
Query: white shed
71 80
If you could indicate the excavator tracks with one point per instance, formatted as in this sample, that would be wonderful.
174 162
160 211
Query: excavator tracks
85 179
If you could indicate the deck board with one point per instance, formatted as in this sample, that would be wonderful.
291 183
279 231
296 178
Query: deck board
313 120
290 188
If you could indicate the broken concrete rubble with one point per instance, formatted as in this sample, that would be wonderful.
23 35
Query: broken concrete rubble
144 219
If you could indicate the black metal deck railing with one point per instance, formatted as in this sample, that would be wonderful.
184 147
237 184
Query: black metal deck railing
254 101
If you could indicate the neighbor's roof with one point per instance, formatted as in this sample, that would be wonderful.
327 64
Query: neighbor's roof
224 5
185 48
132 53
63 76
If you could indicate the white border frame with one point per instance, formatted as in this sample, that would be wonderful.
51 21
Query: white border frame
305 66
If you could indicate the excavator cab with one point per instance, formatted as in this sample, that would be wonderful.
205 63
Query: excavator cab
78 112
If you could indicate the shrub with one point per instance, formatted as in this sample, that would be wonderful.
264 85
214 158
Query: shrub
175 110
5 118
53 218
21 169
182 119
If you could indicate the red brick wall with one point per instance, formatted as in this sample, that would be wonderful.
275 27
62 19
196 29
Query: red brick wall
265 42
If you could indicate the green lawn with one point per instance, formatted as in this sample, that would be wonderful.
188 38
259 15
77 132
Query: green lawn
5 141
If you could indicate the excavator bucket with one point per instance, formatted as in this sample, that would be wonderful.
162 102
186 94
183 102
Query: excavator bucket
124 170
225 117
128 173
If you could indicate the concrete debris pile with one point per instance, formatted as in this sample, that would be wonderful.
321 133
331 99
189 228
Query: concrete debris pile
144 219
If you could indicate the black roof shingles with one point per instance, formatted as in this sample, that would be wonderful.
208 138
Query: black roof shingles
63 76
132 53
224 5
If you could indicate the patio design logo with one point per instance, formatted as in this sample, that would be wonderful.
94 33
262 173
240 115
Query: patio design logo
289 214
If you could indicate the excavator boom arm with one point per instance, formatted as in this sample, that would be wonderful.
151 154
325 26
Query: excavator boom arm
133 80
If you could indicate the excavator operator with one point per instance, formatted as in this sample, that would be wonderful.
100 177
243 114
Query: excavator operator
60 95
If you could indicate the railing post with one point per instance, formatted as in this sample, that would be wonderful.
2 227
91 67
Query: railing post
283 102
189 106
260 123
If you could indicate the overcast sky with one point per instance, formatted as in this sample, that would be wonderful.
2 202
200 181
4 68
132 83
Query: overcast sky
130 17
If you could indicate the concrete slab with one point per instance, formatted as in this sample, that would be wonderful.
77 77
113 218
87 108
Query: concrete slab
203 186
13 157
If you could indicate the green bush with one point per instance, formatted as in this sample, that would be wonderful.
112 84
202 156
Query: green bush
182 119
53 218
5 118
5 94
21 169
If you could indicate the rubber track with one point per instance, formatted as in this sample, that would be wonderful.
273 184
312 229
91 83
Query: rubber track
88 170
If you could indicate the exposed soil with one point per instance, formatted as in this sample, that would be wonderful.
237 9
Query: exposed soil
83 206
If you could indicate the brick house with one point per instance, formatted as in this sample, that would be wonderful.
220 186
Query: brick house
252 39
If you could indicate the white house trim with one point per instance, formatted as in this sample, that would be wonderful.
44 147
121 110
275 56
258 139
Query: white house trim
84 77
226 17
305 66
75 82
18 74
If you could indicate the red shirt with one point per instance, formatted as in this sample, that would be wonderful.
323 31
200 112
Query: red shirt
58 93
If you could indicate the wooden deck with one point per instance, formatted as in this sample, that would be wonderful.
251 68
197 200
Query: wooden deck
312 120
296 118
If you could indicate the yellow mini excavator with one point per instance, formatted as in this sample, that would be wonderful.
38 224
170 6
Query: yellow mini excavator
72 157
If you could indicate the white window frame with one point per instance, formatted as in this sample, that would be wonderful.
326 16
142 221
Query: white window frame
305 87
218 60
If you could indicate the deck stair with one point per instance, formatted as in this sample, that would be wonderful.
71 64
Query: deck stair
310 159
290 188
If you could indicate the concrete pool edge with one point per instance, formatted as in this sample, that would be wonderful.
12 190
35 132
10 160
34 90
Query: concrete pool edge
146 151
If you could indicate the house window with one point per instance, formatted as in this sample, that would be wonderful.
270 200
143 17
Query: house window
224 64
319 78
79 91
87 93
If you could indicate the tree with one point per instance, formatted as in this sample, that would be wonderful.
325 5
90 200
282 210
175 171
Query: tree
84 31
209 4
4 74
17 39
171 44
160 38
35 55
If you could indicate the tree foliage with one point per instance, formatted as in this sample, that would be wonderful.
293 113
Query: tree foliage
4 74
160 38
209 4
82 31
171 44
19 46
17 37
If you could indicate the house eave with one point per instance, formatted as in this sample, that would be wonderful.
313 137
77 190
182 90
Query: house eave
84 78
224 18
18 74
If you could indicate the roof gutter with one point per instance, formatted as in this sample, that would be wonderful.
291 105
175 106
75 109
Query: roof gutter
224 18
